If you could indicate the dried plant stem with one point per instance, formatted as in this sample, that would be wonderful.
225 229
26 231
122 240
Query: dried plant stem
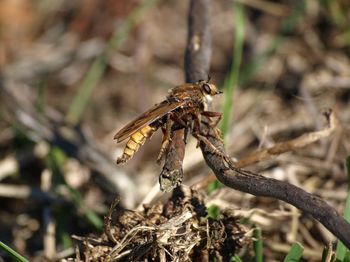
283 147
197 60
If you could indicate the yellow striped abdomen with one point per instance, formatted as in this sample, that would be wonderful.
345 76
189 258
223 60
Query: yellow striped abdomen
136 140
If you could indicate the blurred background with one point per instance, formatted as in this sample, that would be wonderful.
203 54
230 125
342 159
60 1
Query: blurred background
74 72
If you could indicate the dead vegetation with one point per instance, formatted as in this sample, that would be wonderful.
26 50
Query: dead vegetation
178 230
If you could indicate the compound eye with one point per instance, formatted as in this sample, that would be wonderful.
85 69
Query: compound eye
206 88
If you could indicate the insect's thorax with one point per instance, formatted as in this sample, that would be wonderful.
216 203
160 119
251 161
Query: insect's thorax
190 94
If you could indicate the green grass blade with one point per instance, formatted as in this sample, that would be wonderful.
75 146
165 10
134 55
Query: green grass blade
241 77
258 245
232 79
252 68
236 258
98 67
295 253
341 248
213 212
81 100
287 27
92 217
213 186
55 162
347 256
40 101
66 240
12 253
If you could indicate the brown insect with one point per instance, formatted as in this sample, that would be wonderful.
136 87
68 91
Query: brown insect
182 108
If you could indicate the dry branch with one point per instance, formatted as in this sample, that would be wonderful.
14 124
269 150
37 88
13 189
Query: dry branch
197 62
283 147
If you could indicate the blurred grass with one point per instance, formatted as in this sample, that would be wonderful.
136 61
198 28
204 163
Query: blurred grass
40 101
55 161
258 244
295 253
339 11
241 76
236 258
342 251
213 186
98 67
232 78
213 212
12 253
249 71
347 257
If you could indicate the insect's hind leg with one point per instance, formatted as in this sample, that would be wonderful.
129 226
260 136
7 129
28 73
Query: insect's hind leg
166 139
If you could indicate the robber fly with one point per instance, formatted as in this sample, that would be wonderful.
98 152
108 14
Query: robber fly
182 108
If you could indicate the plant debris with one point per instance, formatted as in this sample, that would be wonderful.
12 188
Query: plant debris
179 230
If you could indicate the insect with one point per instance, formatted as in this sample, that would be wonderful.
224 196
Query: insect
183 108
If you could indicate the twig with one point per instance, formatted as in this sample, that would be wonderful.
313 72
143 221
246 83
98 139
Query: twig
283 147
267 6
198 50
197 58
108 220
197 65
293 144
24 192
172 173
152 193
49 238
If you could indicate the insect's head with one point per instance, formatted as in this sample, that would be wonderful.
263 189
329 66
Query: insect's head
209 89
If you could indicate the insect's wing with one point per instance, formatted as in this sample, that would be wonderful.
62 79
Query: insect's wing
147 117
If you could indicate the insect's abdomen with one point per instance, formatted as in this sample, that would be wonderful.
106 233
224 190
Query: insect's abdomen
136 140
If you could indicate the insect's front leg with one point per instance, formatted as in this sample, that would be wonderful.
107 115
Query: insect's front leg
209 115
166 138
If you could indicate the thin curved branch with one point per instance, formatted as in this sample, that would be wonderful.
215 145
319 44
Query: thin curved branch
258 185
282 147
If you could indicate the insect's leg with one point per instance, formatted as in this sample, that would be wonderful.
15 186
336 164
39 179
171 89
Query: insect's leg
183 123
187 131
196 126
210 114
166 138
196 117
214 149
178 120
